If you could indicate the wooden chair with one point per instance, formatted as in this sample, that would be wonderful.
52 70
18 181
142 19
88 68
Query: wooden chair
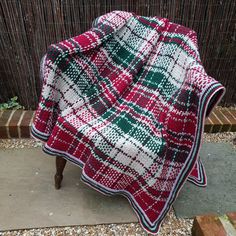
60 165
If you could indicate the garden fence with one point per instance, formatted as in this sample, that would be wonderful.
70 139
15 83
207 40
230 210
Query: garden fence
28 27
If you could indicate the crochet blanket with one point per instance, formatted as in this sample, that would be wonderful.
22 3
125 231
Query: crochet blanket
126 101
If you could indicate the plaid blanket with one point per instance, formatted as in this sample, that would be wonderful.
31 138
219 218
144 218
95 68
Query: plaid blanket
126 101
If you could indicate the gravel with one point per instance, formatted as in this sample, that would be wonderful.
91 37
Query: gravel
19 143
228 137
171 225
224 137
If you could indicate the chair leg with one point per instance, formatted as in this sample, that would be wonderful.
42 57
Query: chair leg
60 165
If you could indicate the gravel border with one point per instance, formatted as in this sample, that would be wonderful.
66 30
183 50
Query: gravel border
19 143
171 226
224 137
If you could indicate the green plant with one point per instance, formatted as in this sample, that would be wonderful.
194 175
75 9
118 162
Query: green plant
11 104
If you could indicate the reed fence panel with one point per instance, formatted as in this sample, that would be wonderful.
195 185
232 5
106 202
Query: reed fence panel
28 27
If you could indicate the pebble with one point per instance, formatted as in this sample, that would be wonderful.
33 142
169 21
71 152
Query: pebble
19 143
224 137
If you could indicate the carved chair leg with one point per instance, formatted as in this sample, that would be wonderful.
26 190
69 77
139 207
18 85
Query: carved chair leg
60 165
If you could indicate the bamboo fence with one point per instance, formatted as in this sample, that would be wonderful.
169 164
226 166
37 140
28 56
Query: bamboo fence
28 27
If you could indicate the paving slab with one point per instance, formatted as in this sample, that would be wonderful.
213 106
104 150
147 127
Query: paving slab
219 196
28 198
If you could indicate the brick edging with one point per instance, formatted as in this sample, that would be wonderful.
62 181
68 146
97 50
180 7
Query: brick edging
221 119
17 123
214 225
